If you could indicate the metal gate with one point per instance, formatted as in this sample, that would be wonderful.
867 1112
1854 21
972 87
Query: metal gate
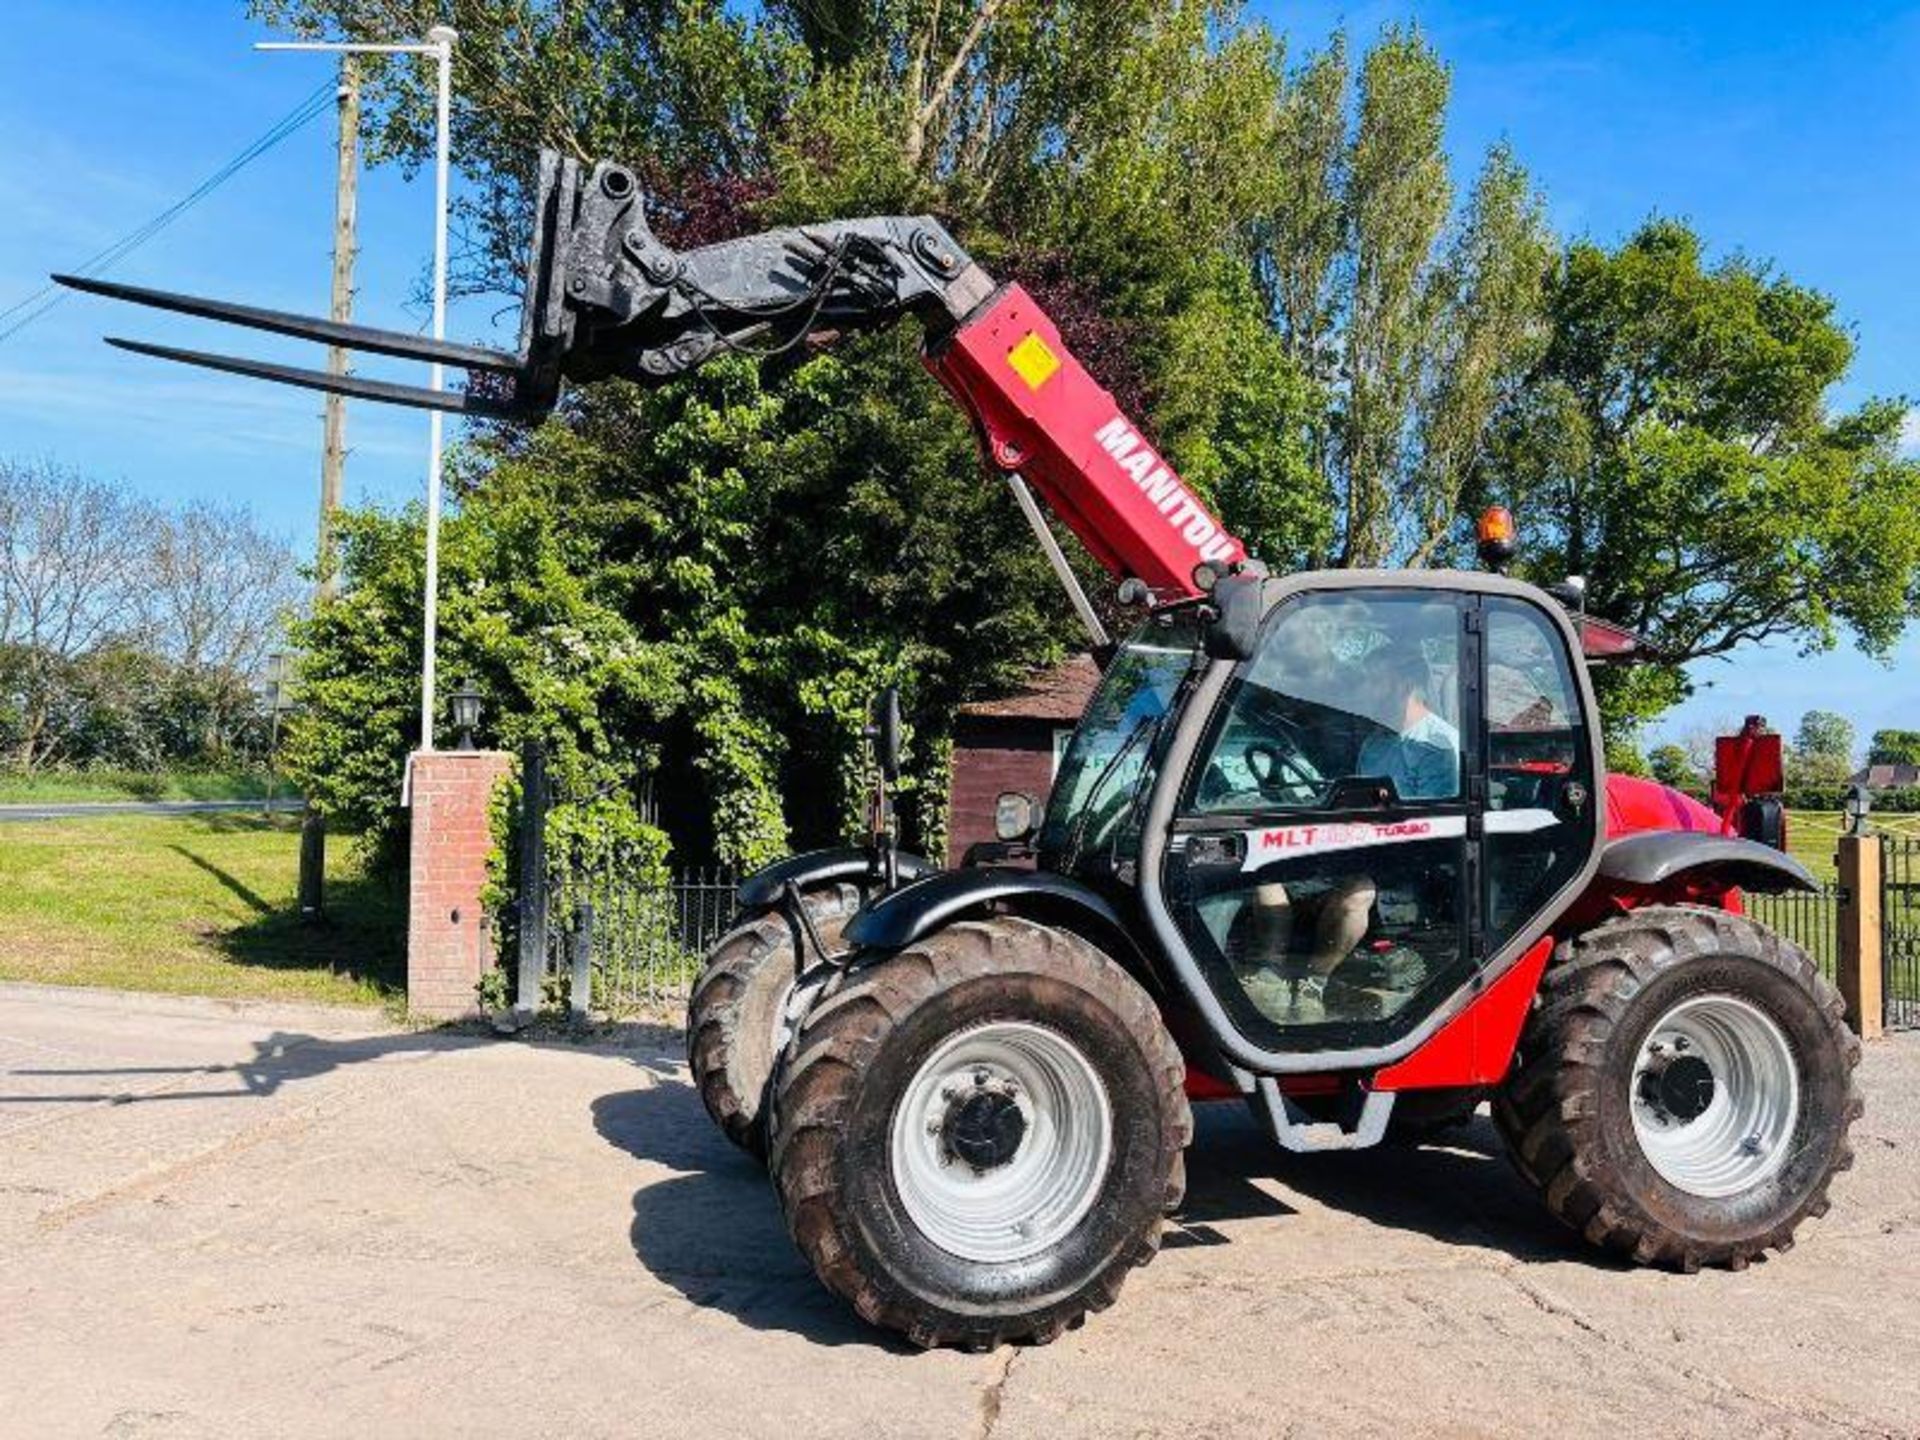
608 937
1900 930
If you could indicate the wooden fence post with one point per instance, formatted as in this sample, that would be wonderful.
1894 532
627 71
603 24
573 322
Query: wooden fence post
1860 973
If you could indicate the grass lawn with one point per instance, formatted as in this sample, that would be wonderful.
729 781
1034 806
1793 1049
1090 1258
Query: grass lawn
78 786
1813 834
192 904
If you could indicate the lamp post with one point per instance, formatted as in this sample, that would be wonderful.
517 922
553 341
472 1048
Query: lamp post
438 45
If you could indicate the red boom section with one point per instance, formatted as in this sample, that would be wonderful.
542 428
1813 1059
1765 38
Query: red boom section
1042 415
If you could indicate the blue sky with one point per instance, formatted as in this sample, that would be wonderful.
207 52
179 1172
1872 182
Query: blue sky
1781 130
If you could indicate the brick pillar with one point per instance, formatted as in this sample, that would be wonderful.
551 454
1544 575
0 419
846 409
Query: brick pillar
446 932
1858 860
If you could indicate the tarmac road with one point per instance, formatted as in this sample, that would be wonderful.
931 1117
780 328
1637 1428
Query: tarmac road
90 809
219 1220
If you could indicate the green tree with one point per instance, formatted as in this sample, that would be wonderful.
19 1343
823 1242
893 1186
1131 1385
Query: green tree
1894 747
1675 445
1670 765
1416 321
1823 732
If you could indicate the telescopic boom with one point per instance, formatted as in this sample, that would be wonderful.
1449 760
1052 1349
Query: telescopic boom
605 297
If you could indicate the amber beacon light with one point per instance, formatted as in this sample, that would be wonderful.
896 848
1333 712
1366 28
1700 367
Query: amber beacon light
1496 538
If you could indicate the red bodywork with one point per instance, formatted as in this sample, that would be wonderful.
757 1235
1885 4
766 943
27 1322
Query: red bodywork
1042 416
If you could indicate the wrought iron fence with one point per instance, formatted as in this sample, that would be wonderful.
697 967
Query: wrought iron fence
1809 918
1900 931
641 941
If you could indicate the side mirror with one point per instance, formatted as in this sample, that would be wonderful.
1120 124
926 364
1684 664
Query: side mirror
884 731
1013 816
1234 632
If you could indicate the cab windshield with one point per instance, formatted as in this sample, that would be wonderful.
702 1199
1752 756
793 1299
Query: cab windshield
1117 745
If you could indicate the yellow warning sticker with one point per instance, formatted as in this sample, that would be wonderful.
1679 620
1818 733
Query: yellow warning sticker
1033 361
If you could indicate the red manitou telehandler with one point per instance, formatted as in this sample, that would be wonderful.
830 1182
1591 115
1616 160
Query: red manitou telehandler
1340 845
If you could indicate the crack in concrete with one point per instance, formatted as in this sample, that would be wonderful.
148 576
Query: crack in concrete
273 1127
994 1395
1712 1380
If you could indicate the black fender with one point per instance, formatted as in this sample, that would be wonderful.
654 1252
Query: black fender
1652 857
763 887
894 921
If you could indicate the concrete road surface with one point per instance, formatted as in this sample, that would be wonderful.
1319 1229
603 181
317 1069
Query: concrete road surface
227 1221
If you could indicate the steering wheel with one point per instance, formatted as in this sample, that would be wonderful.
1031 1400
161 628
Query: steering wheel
1279 774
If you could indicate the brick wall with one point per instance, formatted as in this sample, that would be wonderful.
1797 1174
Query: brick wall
446 931
992 754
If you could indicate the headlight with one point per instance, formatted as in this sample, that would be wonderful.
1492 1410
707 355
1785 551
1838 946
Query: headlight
1013 816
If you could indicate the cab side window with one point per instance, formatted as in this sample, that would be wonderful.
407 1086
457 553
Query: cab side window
1347 688
1541 806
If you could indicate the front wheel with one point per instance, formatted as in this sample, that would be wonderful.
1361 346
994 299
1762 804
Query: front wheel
737 1017
976 1139
1685 1088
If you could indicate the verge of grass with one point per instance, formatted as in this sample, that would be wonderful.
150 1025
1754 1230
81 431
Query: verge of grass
56 787
193 904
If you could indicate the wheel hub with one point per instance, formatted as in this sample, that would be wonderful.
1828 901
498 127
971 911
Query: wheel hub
1678 1087
984 1129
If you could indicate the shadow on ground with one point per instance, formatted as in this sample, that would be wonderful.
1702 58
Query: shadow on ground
1459 1189
279 1059
362 935
714 1231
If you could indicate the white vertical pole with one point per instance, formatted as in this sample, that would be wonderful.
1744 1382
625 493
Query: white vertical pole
442 38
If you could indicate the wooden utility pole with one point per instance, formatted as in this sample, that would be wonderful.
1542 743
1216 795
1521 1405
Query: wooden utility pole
333 455
333 459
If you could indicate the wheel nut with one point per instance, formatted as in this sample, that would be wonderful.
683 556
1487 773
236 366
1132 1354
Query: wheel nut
1680 1044
980 1076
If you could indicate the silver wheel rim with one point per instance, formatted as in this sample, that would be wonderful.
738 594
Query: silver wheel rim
1031 1201
1742 1135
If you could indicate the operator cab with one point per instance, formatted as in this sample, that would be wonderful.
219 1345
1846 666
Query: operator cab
1375 809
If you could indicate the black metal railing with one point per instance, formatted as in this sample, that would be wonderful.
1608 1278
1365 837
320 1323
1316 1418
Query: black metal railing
640 941
1900 930
1809 918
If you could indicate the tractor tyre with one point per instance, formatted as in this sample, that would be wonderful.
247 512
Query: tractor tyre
977 1137
1684 1088
736 1018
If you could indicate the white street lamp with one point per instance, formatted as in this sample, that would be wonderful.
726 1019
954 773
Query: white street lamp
438 44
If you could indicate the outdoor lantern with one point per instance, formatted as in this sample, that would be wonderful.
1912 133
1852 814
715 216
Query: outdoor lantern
466 713
1858 801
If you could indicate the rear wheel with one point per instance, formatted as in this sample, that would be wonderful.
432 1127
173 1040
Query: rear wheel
977 1138
1685 1088
736 1018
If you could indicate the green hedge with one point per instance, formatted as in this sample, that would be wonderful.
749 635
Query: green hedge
1903 801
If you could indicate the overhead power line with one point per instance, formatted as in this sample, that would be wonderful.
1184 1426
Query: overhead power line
46 297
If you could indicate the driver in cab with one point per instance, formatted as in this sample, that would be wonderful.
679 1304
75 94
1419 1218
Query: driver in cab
1419 752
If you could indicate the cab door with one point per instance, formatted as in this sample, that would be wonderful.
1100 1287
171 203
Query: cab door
1323 868
1397 794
